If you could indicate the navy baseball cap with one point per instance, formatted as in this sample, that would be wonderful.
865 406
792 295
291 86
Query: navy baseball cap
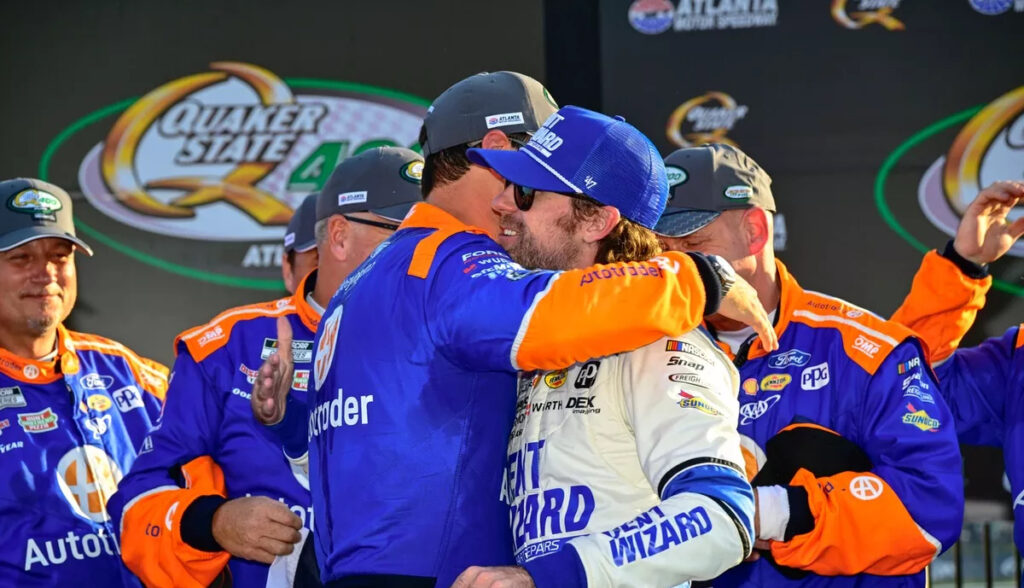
585 152
382 180
706 180
32 209
301 233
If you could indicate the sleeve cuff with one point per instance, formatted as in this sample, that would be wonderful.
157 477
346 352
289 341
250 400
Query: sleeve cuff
968 268
712 285
291 431
773 512
562 568
800 518
197 523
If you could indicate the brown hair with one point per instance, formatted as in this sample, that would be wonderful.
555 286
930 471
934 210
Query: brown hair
448 165
627 241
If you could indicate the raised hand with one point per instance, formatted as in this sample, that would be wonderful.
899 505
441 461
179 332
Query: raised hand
742 304
274 379
985 234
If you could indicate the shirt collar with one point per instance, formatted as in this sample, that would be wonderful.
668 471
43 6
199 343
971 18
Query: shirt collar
42 372
309 316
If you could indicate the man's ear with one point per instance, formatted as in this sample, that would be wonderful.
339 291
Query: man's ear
755 227
495 139
599 225
338 231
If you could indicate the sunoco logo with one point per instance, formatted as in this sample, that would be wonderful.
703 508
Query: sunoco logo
988 147
224 155
704 119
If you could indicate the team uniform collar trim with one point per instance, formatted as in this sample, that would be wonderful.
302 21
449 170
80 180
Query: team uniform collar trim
427 216
307 314
31 371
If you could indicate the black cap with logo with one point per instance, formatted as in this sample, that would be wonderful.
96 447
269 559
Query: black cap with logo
32 209
382 180
505 100
300 235
706 180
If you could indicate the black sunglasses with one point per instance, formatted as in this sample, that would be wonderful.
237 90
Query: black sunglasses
524 196
363 221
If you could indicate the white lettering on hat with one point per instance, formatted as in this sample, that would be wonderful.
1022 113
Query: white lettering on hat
289 239
739 192
545 141
351 198
503 120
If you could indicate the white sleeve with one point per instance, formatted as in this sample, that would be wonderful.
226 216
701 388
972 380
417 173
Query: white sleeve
682 407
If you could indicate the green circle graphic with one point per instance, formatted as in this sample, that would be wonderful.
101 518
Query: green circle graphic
891 161
169 266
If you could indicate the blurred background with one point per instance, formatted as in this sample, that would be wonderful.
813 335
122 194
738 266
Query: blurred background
878 120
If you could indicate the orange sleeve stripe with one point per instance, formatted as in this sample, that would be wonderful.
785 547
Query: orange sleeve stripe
867 339
1020 337
942 305
573 320
150 375
151 544
860 526
203 340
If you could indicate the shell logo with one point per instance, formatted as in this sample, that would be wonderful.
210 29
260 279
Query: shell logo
88 477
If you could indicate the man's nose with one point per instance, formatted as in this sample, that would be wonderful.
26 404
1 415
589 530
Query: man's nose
504 202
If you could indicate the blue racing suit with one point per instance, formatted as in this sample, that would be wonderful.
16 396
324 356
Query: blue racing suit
844 420
69 430
209 419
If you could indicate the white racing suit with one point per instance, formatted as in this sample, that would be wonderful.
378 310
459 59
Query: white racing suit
627 471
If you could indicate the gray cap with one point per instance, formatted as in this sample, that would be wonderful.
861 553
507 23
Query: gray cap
301 233
32 209
503 100
703 181
382 180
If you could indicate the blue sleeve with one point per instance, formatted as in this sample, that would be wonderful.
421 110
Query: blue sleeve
187 429
479 298
974 382
908 433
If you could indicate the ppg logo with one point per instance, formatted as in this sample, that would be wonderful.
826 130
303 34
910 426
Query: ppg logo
127 398
815 377
587 374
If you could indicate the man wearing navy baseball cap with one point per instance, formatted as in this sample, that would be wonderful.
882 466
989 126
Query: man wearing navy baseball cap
300 256
842 412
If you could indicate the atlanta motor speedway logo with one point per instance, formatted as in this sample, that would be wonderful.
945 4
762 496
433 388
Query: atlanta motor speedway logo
979 146
201 174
